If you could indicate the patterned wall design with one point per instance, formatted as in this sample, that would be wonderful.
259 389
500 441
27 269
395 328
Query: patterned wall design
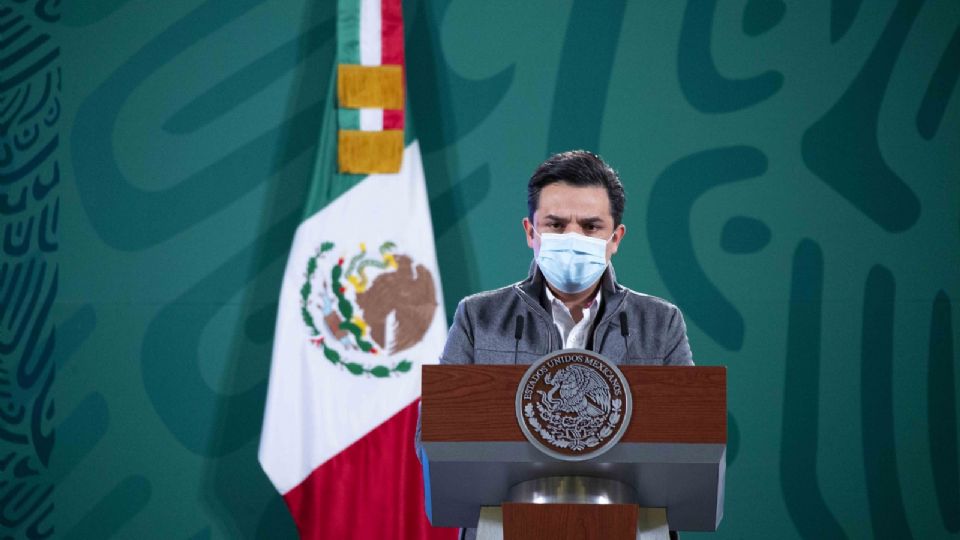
30 110
792 177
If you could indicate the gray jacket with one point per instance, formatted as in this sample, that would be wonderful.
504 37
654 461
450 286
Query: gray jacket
485 326
485 330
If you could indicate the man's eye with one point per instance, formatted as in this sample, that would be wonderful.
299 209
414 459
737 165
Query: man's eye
555 226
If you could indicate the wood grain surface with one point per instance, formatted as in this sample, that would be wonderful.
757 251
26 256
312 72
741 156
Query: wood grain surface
524 521
681 404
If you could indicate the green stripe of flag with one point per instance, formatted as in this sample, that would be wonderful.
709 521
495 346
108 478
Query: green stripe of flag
348 118
327 183
348 32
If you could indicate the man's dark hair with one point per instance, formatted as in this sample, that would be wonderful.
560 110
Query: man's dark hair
577 168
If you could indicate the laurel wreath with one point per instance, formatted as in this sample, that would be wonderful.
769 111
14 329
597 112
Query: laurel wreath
346 313
575 433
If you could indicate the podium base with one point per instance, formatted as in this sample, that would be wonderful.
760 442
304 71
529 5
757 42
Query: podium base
572 490
572 508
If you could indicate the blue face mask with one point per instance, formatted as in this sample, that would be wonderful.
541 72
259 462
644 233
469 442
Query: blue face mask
572 262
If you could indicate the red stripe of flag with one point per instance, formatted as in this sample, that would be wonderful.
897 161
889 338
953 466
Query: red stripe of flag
371 491
391 51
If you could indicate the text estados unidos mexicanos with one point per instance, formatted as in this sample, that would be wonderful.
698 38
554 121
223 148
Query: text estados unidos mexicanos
603 368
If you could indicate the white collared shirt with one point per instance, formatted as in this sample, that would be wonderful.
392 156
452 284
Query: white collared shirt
573 334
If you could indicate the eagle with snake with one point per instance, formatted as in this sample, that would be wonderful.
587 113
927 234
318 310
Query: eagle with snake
582 391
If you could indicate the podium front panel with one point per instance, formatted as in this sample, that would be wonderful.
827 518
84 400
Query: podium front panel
673 453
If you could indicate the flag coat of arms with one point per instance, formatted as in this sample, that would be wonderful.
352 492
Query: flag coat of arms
361 306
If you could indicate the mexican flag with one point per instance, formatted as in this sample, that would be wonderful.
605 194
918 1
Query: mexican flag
360 307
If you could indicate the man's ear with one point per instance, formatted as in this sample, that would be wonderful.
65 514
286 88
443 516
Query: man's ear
528 231
618 233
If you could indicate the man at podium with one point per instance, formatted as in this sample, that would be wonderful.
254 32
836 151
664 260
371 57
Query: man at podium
571 297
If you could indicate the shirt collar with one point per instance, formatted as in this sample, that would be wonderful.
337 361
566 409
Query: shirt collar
556 302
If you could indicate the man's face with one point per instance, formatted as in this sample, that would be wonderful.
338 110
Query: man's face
564 208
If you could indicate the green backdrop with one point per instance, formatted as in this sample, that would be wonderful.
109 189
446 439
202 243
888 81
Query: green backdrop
792 181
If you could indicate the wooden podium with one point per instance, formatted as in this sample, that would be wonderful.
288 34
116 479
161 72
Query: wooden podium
672 455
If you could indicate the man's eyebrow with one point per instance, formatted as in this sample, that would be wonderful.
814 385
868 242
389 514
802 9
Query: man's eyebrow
556 218
591 220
